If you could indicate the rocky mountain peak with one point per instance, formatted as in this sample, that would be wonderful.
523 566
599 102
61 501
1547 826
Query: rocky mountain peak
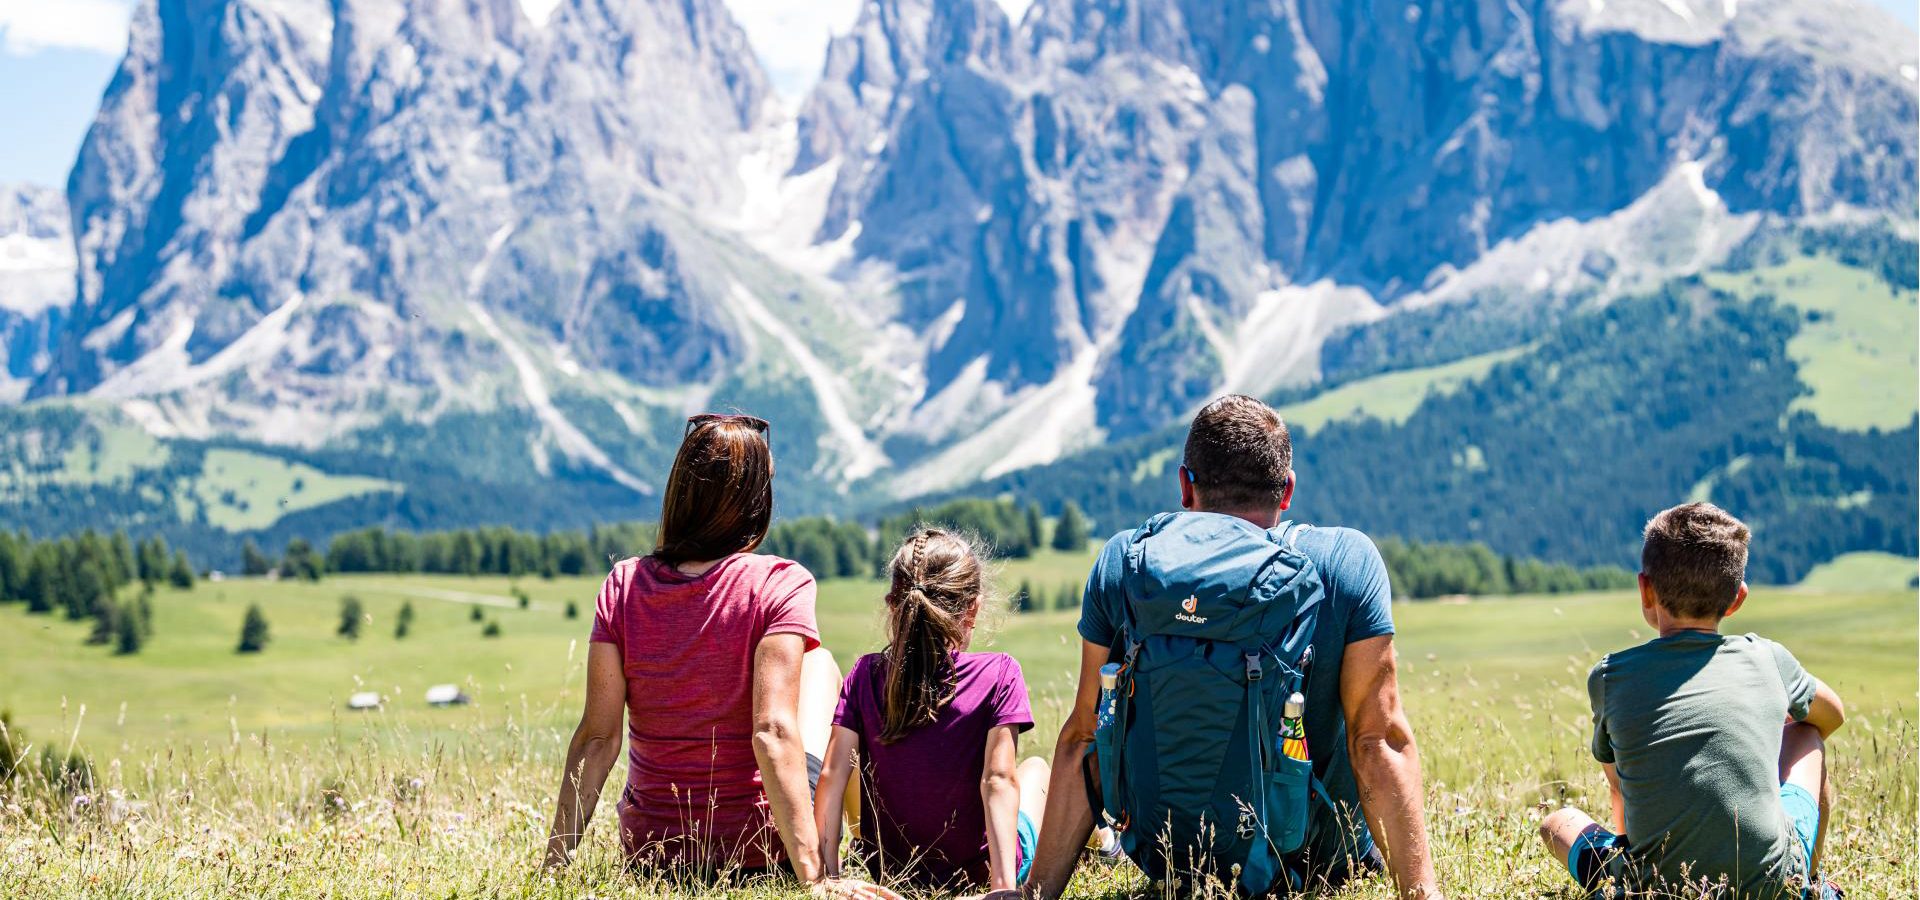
992 242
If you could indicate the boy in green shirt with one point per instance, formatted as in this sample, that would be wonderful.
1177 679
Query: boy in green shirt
1711 795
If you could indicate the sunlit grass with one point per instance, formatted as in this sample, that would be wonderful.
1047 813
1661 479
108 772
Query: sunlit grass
271 795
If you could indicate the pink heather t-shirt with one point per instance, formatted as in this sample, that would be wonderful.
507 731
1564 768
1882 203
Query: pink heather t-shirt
693 792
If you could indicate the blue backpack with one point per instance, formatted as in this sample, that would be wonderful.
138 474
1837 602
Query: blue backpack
1201 768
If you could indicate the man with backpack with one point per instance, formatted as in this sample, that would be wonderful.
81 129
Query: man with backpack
1238 681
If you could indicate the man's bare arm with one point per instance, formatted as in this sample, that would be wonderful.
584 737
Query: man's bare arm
1386 764
1069 818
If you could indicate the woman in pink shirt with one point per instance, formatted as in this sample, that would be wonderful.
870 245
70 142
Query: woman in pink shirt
713 654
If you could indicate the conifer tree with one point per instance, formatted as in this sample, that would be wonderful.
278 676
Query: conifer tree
13 566
1036 529
106 622
86 592
1070 533
301 561
253 631
151 561
351 614
130 632
252 561
181 573
40 591
404 622
124 562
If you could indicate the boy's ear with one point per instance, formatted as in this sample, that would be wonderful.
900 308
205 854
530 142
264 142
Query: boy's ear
1648 599
1286 491
1739 600
1187 498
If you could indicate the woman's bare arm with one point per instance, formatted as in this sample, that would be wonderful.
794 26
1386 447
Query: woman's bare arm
776 745
591 753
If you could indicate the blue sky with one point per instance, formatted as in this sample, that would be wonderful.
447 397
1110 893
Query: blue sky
56 57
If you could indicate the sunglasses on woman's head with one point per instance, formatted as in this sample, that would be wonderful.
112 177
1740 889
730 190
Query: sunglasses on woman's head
754 422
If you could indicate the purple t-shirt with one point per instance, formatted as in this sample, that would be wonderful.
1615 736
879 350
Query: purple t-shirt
920 806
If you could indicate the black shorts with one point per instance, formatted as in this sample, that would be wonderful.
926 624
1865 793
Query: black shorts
814 765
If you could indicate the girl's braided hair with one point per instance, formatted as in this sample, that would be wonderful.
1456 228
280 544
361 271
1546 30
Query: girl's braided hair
936 587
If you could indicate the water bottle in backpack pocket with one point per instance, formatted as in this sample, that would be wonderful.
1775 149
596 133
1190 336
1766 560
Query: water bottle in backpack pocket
1103 734
1292 779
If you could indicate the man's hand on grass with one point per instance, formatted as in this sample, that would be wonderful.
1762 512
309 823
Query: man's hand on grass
851 889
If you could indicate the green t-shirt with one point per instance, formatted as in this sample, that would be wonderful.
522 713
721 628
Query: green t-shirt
1692 723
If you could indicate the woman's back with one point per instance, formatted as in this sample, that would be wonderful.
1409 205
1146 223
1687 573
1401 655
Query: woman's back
687 646
920 797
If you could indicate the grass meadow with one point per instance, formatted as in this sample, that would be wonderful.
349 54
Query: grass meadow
226 775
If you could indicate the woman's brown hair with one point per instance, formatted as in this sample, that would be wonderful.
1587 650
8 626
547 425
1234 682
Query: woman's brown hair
719 497
935 592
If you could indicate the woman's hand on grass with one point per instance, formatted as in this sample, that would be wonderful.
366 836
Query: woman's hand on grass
851 889
557 856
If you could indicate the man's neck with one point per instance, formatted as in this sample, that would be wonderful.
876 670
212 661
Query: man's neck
1263 518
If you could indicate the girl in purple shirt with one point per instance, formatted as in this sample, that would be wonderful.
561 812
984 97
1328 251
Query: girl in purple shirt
943 804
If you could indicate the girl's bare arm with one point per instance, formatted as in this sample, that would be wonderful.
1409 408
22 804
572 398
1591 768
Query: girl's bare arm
831 795
1000 792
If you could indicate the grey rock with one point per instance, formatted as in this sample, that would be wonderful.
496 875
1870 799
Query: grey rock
293 218
36 281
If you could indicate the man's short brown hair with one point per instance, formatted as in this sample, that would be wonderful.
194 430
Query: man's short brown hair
1238 454
1696 557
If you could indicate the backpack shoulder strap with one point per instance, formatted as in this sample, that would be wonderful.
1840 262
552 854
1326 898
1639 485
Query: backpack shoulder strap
1287 535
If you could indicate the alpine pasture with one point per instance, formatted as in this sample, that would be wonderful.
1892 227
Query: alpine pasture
216 773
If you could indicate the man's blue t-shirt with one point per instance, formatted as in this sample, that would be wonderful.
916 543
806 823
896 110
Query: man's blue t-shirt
1358 605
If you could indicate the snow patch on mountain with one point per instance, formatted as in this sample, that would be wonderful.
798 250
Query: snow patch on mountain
533 384
1278 343
1679 227
1043 423
168 367
859 455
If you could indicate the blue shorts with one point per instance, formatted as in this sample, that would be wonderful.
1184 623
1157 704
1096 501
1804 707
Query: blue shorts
1600 854
1804 812
1029 843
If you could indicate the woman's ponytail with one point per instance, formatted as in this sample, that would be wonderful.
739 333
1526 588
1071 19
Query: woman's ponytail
935 586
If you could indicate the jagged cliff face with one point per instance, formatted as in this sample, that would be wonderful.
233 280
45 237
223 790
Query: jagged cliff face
981 243
36 282
1145 177
358 205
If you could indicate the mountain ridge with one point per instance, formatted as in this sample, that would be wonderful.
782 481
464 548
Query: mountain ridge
978 245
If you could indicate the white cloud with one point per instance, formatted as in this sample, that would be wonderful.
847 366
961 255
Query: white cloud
791 35
29 26
539 10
